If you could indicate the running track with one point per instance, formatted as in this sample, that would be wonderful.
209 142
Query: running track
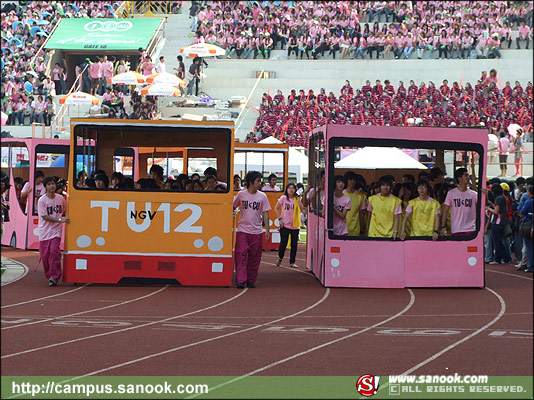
288 325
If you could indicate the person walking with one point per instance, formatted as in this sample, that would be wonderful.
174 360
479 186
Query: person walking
51 208
288 209
254 206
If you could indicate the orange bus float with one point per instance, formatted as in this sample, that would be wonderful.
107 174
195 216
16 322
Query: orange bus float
145 233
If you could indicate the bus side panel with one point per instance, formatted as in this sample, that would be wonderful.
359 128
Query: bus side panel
364 264
311 242
188 271
320 250
16 228
445 263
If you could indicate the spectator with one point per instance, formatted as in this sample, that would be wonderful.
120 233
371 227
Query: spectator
288 209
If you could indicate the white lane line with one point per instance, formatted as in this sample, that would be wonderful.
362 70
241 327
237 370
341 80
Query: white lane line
8 262
465 339
455 344
410 304
88 311
506 273
325 296
46 297
122 330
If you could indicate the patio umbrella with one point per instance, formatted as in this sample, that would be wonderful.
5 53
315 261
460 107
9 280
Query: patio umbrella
15 24
43 22
34 30
202 50
42 33
513 128
45 14
165 77
74 7
161 89
79 98
127 78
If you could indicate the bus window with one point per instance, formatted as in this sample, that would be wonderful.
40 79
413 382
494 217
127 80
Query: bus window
266 161
176 150
316 173
16 160
370 166
52 160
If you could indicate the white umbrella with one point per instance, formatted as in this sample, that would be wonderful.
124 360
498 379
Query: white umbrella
513 128
127 78
79 98
161 89
202 50
165 77
379 158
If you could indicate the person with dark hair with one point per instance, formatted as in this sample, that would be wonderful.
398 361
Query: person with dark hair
407 178
237 183
101 181
287 211
156 173
313 197
356 214
424 175
526 214
499 213
116 179
254 206
424 211
51 210
384 210
271 187
195 177
211 183
504 147
38 188
342 205
436 177
462 202
126 183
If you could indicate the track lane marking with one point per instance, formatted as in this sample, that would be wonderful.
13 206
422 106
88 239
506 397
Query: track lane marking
123 329
87 311
325 296
46 297
506 273
408 306
457 343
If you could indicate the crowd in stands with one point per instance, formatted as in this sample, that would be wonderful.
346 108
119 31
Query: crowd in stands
442 29
291 118
27 90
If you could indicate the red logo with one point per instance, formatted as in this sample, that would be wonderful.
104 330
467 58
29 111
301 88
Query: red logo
367 385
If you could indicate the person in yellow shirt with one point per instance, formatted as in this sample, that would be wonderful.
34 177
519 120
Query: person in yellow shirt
425 212
384 209
355 217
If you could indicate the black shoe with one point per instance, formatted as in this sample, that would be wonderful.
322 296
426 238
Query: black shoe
529 270
240 285
251 284
52 282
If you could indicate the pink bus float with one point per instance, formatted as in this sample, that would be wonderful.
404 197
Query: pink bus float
21 157
364 262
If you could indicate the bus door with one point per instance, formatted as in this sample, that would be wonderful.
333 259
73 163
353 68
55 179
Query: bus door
315 260
181 233
267 159
16 164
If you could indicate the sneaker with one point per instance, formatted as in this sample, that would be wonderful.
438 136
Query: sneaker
529 270
250 284
293 265
279 262
519 266
494 263
240 285
52 282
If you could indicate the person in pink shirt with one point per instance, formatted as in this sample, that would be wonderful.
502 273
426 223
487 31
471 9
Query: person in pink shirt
254 206
107 72
271 187
95 73
462 203
482 48
342 205
148 66
51 209
524 33
285 211
504 151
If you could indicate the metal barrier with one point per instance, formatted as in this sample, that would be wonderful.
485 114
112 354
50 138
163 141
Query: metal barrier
152 8
125 10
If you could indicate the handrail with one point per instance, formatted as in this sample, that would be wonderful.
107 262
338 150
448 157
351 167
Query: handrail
153 44
45 42
124 10
260 76
151 8
60 115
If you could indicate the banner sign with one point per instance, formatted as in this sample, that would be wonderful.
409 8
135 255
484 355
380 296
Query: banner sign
103 34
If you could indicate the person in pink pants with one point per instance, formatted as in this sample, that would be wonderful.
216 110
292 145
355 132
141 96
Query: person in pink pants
254 206
51 208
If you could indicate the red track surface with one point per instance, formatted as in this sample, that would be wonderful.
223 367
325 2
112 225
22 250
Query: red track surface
288 325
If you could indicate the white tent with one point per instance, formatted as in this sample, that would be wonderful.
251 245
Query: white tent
298 162
379 158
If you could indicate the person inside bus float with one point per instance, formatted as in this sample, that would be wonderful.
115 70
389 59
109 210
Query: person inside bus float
462 202
101 181
384 210
342 205
355 218
287 211
271 187
156 173
38 189
254 206
425 213
312 194
210 171
51 208
237 183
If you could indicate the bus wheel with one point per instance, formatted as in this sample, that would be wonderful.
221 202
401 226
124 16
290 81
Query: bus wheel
13 242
